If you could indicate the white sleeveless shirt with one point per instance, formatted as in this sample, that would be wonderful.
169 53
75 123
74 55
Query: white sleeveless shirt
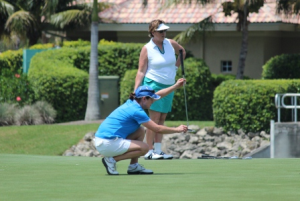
161 67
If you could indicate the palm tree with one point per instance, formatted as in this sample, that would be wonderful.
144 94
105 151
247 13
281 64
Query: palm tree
6 9
26 19
73 16
195 31
241 7
93 105
288 7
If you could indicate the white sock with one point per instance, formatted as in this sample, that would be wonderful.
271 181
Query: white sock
157 147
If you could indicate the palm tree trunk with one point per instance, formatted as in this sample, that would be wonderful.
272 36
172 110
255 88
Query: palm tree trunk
244 47
93 104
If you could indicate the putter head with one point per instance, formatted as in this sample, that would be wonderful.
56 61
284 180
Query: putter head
191 131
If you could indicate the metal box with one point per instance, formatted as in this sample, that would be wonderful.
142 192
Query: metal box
109 94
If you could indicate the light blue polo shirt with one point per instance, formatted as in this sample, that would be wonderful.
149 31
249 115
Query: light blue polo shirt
123 121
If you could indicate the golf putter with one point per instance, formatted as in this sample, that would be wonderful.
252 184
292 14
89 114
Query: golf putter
182 70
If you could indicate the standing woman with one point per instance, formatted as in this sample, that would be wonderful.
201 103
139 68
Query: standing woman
157 68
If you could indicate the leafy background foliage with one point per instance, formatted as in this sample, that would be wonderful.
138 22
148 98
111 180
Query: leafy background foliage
13 86
249 104
198 91
285 66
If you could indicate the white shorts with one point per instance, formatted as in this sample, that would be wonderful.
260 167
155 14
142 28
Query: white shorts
112 147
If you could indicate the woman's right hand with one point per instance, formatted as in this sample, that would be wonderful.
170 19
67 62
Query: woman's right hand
182 128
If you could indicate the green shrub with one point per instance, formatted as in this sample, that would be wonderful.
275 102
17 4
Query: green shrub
57 87
198 91
15 88
113 58
118 58
11 61
127 85
106 42
249 104
217 79
78 43
59 83
285 66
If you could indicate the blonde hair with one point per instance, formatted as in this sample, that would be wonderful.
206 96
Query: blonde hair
154 25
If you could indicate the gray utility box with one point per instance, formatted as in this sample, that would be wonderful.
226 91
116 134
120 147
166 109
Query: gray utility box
109 94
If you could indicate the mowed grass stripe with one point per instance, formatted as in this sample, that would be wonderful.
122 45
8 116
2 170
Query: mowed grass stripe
32 177
42 139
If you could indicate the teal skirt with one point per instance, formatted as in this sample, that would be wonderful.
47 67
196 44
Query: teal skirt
163 105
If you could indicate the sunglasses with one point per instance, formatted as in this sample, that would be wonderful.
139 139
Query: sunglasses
162 31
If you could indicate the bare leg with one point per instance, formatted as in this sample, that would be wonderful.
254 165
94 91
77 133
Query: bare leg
137 147
158 137
150 135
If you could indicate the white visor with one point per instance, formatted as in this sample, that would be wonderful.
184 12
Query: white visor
162 27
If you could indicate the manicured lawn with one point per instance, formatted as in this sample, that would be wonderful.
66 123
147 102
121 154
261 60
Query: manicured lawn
43 139
36 177
53 139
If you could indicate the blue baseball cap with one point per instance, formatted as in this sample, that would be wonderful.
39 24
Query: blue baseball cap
146 91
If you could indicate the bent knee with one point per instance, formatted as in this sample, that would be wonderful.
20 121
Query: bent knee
144 148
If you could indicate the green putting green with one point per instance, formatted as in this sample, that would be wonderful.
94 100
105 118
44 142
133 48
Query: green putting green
35 177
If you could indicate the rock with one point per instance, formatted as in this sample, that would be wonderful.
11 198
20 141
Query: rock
89 136
217 131
193 139
194 128
224 146
202 132
186 155
252 135
208 140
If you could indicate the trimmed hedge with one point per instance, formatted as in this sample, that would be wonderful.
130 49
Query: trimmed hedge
198 91
55 74
285 66
12 61
127 85
249 104
59 83
79 43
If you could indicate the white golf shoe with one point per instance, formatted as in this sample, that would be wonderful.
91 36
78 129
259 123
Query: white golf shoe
110 165
165 156
153 156
138 169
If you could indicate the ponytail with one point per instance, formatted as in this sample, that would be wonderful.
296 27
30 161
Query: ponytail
132 96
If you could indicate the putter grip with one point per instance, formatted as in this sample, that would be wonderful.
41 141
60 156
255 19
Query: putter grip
181 61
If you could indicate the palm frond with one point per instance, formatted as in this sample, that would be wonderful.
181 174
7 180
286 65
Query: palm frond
195 30
100 6
288 7
75 17
297 7
21 22
49 7
6 8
